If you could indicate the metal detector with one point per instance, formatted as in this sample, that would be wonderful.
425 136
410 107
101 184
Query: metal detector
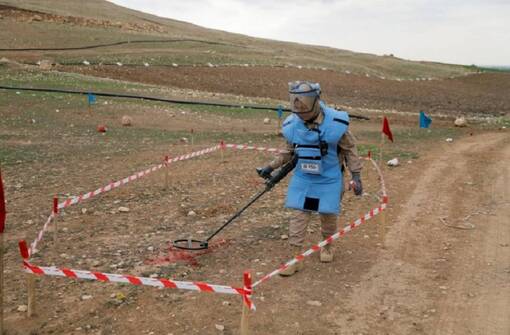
192 244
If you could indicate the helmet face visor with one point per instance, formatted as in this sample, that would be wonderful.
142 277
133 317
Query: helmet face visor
302 104
303 96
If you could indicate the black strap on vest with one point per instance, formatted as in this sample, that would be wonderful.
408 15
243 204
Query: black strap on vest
341 121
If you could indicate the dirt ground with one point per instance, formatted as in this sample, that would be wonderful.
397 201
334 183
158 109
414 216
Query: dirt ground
439 265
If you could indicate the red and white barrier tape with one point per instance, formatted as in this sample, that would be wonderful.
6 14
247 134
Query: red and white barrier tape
323 243
254 147
139 281
74 200
373 212
381 178
33 245
128 279
138 175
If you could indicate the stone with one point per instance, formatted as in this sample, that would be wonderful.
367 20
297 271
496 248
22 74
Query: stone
219 327
393 162
192 213
86 297
460 122
22 308
284 237
123 209
126 121
267 120
45 64
449 139
314 303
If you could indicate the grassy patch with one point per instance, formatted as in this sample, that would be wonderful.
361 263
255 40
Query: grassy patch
62 80
411 135
388 153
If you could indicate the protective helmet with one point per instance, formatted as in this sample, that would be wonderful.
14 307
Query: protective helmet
306 93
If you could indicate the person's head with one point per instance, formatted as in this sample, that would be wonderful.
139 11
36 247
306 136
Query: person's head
304 99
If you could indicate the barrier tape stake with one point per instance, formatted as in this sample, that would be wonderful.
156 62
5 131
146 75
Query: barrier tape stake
246 309
368 169
55 212
222 149
382 223
166 172
30 280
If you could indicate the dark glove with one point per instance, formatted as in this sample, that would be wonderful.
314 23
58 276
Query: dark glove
282 173
265 172
355 184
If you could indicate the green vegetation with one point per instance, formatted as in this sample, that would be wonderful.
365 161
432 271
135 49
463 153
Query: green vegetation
491 68
52 127
406 141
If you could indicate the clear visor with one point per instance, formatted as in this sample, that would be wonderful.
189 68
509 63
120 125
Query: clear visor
302 104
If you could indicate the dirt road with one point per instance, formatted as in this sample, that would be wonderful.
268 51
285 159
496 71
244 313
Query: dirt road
445 267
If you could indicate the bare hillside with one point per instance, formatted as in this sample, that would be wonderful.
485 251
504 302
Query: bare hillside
58 24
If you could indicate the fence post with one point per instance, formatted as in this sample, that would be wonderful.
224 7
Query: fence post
382 219
246 310
222 149
55 233
166 172
368 165
30 280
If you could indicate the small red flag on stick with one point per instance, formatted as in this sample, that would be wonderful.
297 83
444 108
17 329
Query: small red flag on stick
386 129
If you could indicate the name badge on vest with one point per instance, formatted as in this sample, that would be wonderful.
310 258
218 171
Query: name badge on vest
310 160
309 166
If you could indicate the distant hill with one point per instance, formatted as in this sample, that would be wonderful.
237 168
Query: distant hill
73 23
504 68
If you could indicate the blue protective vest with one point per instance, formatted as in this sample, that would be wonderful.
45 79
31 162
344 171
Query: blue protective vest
317 181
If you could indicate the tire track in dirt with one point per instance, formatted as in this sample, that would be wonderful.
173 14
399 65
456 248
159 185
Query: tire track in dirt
432 279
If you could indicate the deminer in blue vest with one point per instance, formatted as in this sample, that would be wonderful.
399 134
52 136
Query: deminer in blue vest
320 144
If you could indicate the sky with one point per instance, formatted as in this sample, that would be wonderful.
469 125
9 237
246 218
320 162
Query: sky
450 31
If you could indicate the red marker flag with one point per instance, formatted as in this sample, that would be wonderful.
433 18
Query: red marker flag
2 205
386 129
